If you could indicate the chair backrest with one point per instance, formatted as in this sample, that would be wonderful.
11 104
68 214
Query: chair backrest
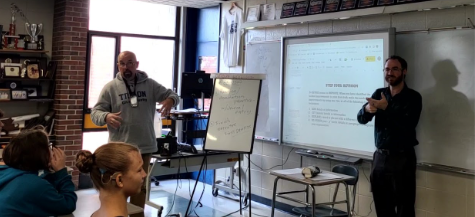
349 171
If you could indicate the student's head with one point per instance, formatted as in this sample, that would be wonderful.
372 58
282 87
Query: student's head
127 64
29 151
1 123
114 167
395 70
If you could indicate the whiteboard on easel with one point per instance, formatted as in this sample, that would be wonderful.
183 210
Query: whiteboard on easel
233 112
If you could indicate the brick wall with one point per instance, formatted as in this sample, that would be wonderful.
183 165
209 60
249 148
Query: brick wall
69 50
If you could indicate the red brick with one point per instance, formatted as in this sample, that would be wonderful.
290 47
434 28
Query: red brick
80 29
79 48
79 77
74 117
60 122
67 72
77 107
65 112
81 10
74 147
74 127
66 101
79 57
76 87
60 127
66 92
64 132
62 143
60 106
70 63
73 4
60 138
69 81
75 97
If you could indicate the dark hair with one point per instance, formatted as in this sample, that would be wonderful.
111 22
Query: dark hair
1 114
106 160
28 151
401 60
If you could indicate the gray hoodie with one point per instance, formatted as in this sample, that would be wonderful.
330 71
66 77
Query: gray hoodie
137 126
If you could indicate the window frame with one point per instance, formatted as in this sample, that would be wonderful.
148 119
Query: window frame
118 36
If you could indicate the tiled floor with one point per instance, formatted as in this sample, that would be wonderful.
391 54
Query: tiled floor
88 201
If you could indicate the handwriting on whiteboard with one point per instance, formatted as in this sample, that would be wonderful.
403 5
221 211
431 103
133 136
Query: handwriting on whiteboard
232 101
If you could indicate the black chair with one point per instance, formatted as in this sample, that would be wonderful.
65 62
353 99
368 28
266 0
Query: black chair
322 210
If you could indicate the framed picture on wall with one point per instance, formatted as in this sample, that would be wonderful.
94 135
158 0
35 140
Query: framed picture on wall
386 2
287 10
348 5
19 95
33 91
253 13
366 3
5 95
315 7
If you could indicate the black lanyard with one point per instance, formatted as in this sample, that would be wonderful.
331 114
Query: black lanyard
128 87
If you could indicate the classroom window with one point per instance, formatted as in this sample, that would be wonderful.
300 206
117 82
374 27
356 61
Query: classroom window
155 57
92 140
145 28
132 16
101 67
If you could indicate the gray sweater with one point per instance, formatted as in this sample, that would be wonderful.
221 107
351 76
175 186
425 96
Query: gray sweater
137 126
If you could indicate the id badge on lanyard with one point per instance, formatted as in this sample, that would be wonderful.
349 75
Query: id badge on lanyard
133 101
133 97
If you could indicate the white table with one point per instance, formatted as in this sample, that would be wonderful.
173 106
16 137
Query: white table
295 175
185 162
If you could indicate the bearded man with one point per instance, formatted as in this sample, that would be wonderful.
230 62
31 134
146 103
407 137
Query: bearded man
396 109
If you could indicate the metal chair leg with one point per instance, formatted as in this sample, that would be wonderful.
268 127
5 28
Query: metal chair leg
347 200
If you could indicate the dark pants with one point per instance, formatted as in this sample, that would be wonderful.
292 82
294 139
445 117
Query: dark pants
393 183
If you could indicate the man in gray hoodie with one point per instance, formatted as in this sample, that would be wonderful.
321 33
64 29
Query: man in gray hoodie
127 105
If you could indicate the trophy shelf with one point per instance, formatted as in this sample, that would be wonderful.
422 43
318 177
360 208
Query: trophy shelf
24 51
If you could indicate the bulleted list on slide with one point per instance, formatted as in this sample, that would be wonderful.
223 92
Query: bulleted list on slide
325 86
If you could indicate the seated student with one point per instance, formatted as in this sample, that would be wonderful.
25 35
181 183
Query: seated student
22 191
116 171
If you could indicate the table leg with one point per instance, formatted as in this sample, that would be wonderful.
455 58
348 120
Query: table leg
274 192
313 200
306 194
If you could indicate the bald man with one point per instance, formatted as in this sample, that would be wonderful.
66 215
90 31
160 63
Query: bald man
127 106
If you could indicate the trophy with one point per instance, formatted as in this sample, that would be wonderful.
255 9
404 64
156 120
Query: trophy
12 24
33 30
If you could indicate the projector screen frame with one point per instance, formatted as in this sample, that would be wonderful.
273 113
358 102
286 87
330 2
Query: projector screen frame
284 42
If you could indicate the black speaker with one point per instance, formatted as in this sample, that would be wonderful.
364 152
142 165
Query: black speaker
167 145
